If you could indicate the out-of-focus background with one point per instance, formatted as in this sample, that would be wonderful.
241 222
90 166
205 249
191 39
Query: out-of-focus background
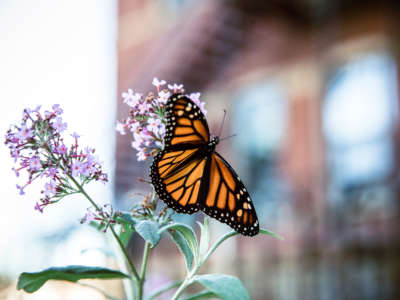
312 93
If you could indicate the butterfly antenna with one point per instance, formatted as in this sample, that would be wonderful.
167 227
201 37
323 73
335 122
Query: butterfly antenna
222 124
227 137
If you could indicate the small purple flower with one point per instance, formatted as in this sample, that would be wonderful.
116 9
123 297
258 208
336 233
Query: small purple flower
75 135
24 133
154 125
195 97
88 217
103 177
88 169
50 188
137 144
15 171
161 130
62 149
35 164
144 108
163 96
175 87
58 125
134 126
120 127
142 155
157 82
21 189
76 168
29 111
131 98
51 172
57 109
15 155
38 207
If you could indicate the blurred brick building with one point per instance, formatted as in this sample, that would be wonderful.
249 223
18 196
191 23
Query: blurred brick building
281 63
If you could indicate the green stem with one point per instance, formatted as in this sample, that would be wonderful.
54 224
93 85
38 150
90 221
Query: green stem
80 188
121 245
143 269
185 283
126 255
164 289
189 278
216 245
144 262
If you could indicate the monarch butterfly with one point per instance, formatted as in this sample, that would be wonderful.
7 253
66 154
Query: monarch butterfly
188 174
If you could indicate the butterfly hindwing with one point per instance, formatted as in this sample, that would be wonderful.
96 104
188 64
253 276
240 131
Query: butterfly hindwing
176 177
227 198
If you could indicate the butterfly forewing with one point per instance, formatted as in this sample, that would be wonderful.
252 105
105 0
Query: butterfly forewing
177 170
186 123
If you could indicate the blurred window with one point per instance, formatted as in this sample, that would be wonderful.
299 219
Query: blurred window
260 120
358 119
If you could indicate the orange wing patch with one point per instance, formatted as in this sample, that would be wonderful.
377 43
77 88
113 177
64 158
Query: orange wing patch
201 129
183 183
214 182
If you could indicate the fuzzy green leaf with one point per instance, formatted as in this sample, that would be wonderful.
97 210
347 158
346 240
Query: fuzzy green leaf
188 234
205 237
224 286
202 295
31 282
149 231
183 246
267 232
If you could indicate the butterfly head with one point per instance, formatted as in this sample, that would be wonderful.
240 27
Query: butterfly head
212 144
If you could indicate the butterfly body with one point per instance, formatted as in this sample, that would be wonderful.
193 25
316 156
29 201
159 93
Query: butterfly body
189 175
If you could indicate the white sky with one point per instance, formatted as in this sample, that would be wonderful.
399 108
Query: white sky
54 51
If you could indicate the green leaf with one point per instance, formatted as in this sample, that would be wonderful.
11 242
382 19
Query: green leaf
183 245
224 286
31 282
189 235
267 232
125 233
127 218
149 231
205 237
202 295
127 227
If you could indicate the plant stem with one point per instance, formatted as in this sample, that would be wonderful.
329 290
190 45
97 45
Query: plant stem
121 245
144 262
143 269
164 289
80 188
185 283
126 255
189 278
219 242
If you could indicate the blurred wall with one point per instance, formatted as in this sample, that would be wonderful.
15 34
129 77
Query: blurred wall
311 89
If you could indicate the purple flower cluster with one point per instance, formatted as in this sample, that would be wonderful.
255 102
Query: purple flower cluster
38 148
146 118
